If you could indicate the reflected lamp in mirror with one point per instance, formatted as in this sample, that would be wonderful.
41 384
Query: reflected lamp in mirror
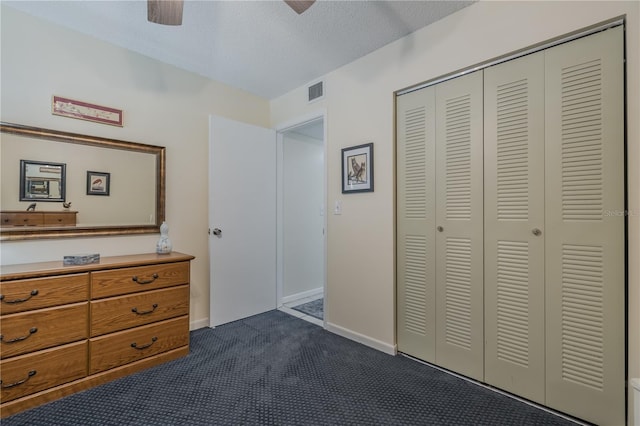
42 181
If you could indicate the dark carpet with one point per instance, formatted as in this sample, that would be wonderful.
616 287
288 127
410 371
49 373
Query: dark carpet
315 308
274 369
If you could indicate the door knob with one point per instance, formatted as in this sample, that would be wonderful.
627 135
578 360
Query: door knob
536 232
217 232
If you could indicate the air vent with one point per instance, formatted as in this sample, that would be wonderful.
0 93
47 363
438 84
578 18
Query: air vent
316 91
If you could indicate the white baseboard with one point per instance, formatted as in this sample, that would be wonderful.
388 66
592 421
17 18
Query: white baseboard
201 323
309 293
635 384
361 338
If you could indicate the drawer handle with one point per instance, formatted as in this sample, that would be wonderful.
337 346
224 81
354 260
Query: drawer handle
134 345
33 293
136 311
10 385
139 281
18 339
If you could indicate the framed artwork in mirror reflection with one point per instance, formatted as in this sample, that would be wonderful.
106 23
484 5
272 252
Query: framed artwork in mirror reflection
42 181
98 183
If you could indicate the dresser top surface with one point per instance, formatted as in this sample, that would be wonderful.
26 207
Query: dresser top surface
40 269
39 211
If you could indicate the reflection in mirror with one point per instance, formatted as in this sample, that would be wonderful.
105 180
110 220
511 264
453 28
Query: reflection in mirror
57 169
42 181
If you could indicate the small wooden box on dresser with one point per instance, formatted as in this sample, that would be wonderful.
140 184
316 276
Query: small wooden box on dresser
64 329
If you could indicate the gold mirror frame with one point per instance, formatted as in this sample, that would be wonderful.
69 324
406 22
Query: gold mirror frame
90 231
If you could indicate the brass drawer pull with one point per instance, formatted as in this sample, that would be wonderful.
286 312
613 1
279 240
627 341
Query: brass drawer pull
33 293
134 345
18 339
10 385
154 277
136 311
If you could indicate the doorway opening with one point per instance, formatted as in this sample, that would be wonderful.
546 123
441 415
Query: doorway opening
301 219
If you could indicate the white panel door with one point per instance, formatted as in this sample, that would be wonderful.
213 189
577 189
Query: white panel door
242 206
514 226
585 230
459 225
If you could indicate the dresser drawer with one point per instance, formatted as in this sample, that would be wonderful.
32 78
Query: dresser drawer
131 280
60 219
44 328
127 346
27 374
36 293
122 312
21 219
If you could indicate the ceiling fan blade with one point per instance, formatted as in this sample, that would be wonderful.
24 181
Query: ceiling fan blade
299 5
165 12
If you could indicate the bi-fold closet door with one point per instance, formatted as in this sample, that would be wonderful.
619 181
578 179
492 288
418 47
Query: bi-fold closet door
458 257
439 227
514 179
538 308
585 227
554 246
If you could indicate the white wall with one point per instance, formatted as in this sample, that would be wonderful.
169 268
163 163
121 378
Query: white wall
360 108
162 106
303 220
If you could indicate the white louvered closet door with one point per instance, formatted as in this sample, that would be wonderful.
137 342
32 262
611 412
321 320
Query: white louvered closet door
416 223
514 226
459 222
585 269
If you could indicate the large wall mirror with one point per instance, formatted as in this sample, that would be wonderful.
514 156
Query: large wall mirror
108 186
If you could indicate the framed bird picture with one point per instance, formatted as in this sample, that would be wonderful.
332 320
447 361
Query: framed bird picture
357 169
98 183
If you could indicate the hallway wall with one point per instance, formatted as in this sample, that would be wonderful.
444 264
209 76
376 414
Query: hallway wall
303 214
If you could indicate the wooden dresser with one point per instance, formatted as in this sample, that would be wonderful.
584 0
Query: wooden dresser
10 218
64 329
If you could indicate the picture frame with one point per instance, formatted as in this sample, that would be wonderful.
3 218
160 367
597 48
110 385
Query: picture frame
42 181
357 169
98 183
85 111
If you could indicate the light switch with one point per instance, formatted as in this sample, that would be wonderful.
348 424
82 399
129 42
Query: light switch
337 209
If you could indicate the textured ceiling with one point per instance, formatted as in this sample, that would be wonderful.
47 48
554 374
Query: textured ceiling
263 47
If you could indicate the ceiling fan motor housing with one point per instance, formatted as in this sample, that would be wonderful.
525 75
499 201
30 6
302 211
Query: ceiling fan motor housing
165 12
